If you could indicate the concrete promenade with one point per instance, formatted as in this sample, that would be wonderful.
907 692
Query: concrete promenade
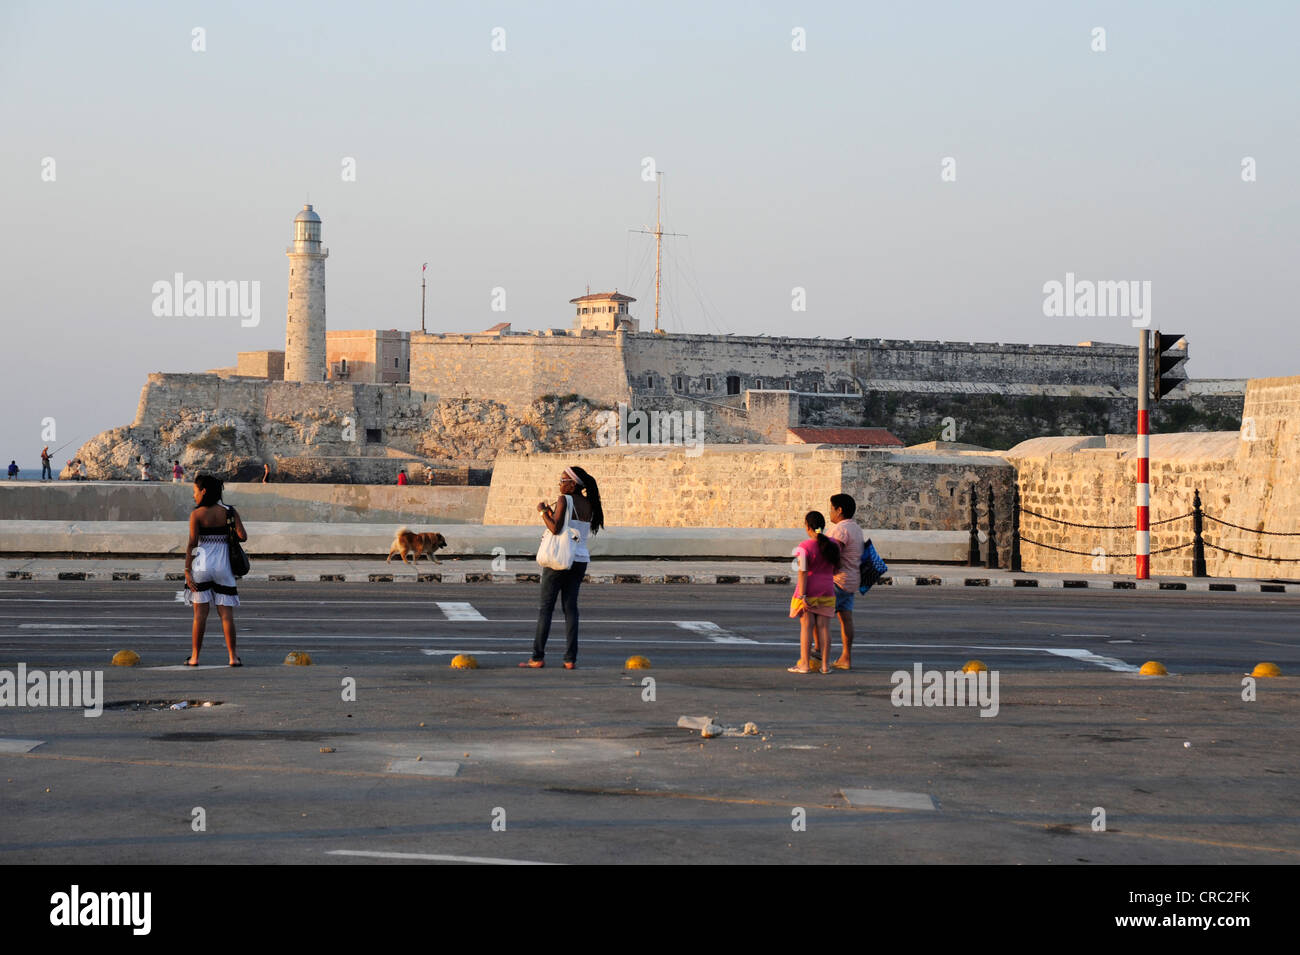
631 572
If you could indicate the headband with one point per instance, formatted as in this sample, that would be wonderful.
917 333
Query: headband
576 480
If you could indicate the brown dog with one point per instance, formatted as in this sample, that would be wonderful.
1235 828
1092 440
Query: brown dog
408 542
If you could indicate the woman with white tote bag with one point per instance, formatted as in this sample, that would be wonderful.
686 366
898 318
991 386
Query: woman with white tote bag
564 558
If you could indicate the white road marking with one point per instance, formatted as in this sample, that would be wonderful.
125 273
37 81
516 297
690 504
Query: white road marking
482 653
711 630
888 799
1110 663
430 857
74 626
459 611
1085 656
19 745
201 666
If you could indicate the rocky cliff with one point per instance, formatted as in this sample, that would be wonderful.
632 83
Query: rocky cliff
231 427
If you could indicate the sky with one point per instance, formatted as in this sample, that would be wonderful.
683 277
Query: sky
919 170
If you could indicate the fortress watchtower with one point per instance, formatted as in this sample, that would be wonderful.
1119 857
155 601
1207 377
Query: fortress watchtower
304 332
604 312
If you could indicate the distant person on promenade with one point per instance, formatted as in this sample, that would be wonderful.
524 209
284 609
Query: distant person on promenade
266 474
582 512
401 478
13 470
844 530
178 472
47 474
814 593
144 469
82 474
208 576
428 474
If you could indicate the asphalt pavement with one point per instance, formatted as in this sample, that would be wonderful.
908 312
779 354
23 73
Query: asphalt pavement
379 752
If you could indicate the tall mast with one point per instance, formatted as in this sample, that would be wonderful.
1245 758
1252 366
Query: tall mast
659 234
659 239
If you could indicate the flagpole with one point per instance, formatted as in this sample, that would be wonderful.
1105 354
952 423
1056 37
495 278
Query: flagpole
422 271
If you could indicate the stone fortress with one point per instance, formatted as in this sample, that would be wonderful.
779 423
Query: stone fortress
339 408
353 406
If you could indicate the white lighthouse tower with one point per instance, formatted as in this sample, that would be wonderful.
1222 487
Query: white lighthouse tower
304 333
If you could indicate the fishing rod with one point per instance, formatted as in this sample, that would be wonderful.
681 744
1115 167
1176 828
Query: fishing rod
61 447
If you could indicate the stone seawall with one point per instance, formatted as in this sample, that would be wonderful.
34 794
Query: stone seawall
324 503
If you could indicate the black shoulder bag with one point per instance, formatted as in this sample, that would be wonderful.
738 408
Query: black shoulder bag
238 559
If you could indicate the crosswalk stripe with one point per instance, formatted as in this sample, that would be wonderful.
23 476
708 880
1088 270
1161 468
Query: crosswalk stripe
459 611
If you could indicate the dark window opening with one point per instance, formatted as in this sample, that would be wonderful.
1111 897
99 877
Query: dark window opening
733 384
374 436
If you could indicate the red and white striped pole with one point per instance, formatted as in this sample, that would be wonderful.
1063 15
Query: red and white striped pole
1143 548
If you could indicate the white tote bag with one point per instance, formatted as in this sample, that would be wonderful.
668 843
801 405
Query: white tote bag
557 550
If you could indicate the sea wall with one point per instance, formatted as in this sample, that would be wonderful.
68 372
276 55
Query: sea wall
325 503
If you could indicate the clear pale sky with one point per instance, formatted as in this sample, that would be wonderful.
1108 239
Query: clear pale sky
522 169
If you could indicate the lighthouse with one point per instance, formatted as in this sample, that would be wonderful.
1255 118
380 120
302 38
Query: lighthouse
304 332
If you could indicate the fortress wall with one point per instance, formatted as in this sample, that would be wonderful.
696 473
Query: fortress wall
165 396
752 486
516 369
1250 478
827 365
990 415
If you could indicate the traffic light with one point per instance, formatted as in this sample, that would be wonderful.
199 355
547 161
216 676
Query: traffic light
1165 358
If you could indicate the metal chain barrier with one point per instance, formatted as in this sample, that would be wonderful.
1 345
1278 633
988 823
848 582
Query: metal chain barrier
1198 557
1102 527
1107 555
1249 530
1234 553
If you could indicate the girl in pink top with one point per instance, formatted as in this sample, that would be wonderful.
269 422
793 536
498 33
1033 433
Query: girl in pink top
814 594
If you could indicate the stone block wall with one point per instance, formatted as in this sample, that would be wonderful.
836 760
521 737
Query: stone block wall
1250 478
514 370
932 492
755 486
261 364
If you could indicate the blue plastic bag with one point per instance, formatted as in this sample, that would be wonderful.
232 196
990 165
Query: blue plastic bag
872 567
